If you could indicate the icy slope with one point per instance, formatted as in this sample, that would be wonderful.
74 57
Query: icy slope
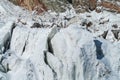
65 46
72 54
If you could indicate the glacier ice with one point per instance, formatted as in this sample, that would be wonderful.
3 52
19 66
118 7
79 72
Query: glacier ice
55 52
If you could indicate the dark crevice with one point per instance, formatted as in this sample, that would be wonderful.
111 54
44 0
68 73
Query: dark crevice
115 32
2 68
50 48
50 36
45 57
104 35
24 47
70 1
7 42
14 25
74 72
6 47
46 62
8 69
99 52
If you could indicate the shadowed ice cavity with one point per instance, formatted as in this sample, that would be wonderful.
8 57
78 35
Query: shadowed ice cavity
99 52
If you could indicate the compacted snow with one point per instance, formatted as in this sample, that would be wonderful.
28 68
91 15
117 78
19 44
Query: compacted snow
63 46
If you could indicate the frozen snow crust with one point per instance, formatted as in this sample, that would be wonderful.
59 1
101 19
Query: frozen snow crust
63 46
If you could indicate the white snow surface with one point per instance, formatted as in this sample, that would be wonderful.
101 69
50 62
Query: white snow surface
71 49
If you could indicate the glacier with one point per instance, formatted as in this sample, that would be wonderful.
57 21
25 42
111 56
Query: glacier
64 48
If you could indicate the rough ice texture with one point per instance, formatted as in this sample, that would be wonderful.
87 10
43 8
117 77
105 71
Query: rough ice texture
87 49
